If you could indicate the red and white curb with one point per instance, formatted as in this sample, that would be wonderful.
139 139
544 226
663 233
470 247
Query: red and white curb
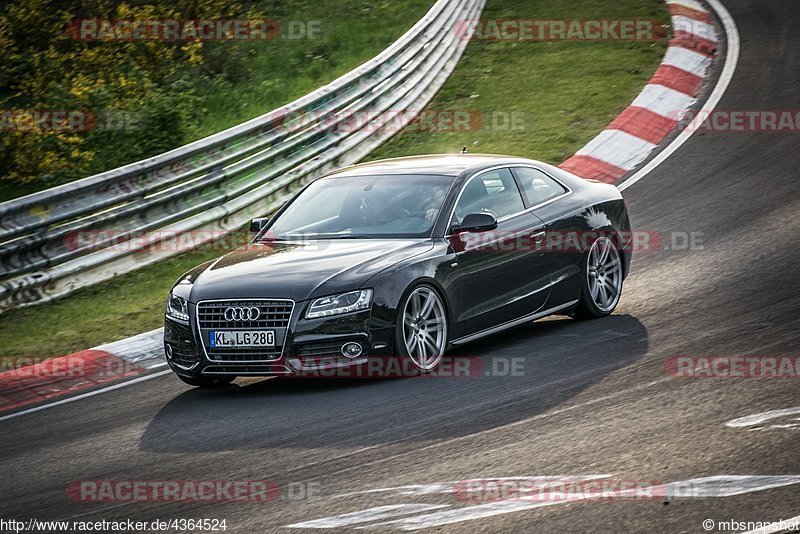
630 138
81 371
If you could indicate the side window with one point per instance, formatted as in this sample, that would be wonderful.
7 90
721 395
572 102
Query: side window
492 192
537 186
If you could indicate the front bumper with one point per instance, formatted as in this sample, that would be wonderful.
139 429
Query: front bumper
311 347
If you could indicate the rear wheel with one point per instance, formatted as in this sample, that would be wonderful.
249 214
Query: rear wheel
422 328
208 381
601 282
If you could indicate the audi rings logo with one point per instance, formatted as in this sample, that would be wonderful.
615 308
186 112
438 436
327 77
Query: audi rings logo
242 314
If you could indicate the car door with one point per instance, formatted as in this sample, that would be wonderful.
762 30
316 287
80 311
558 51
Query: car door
495 276
550 201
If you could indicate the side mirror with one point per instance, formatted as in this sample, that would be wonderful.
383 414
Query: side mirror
476 222
256 225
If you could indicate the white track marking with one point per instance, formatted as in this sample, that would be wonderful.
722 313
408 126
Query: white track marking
731 60
469 513
139 348
698 488
688 60
447 487
365 516
693 4
775 528
703 30
84 395
757 419
663 101
412 489
618 148
728 485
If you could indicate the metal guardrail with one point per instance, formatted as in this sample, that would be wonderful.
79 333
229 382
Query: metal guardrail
215 185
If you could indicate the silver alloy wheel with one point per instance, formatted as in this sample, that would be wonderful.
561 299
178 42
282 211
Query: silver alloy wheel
424 328
604 274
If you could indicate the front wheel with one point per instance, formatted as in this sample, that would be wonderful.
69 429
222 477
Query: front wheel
207 381
601 280
422 328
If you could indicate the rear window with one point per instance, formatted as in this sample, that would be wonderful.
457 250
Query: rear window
537 186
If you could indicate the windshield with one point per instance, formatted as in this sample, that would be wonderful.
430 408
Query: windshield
363 207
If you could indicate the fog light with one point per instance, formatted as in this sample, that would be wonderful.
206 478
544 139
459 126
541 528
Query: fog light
351 350
168 350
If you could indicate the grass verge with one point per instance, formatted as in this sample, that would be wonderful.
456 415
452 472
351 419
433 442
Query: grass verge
559 93
566 92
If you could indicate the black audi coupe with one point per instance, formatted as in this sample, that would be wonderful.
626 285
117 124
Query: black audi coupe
400 259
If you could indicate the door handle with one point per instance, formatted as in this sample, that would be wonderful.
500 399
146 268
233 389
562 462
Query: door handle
538 237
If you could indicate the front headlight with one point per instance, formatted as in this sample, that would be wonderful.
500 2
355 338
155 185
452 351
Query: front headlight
337 304
177 307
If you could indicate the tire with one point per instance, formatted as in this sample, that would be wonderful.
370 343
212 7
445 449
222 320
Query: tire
601 280
207 381
421 332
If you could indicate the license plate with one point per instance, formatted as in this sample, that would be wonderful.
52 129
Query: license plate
241 338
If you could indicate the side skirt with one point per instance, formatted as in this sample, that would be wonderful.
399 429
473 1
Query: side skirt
512 323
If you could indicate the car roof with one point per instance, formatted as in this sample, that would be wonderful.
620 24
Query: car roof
441 164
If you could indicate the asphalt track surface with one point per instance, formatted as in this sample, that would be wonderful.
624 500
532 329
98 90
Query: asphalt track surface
594 397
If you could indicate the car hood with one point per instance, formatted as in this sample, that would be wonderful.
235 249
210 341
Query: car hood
299 271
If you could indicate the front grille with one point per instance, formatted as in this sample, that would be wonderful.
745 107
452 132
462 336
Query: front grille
273 315
250 354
